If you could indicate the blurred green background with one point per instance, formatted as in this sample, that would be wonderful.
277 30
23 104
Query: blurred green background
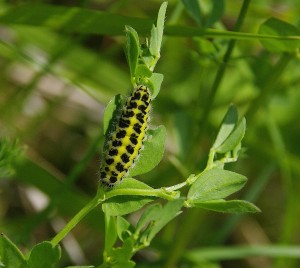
59 68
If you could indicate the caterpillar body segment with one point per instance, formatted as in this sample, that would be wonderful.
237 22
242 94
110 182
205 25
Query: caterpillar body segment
126 141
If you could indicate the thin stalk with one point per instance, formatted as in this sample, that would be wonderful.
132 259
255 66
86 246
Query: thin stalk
103 196
76 219
241 252
162 193
189 31
223 65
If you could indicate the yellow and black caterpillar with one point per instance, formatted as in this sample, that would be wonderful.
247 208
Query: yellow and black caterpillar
125 143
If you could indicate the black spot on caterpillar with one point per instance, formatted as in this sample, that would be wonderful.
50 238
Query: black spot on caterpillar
125 143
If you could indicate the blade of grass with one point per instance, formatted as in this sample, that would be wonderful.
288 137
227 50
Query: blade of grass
240 252
79 20
290 221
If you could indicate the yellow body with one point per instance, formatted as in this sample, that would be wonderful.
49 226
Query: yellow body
126 142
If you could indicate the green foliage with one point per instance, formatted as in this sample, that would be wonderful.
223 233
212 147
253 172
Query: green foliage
122 205
231 206
43 255
143 58
152 153
213 10
215 184
10 255
278 27
137 237
51 53
10 152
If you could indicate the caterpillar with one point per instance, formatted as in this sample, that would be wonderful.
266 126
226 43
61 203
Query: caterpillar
126 142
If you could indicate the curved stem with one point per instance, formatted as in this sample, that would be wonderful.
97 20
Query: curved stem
101 197
161 192
76 219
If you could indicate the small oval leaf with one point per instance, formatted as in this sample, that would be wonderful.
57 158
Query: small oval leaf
152 153
132 50
44 255
231 206
215 184
227 126
142 71
233 139
10 255
111 112
155 82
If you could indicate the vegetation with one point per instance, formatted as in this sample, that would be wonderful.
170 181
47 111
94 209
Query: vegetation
64 77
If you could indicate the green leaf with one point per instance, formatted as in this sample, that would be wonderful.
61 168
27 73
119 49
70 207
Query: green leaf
156 81
78 20
44 255
227 126
142 71
193 10
154 43
161 21
10 255
216 12
73 19
152 153
110 232
122 205
231 206
157 32
205 14
111 112
168 212
278 27
122 227
234 138
10 153
151 213
215 184
122 255
132 50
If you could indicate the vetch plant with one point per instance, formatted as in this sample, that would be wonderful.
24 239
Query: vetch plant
207 189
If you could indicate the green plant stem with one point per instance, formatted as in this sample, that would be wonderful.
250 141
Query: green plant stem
188 31
223 66
76 219
101 197
240 252
162 193
176 187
